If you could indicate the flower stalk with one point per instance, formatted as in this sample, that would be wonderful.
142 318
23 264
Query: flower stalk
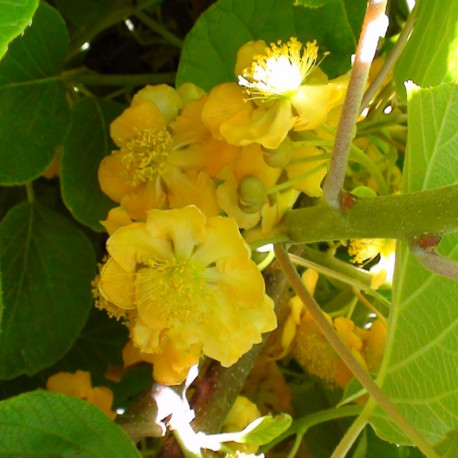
373 27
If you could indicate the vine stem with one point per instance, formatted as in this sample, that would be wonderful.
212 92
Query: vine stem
373 27
351 435
435 262
30 192
347 357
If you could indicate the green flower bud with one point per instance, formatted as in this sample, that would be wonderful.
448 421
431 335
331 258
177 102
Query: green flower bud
252 194
281 156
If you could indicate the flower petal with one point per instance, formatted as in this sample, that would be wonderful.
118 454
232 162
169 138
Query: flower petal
116 285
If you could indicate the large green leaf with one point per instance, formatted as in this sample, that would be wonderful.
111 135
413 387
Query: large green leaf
15 17
85 145
54 424
419 370
34 112
431 55
210 49
47 264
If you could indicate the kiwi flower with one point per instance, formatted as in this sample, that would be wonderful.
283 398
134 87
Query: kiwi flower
186 286
279 88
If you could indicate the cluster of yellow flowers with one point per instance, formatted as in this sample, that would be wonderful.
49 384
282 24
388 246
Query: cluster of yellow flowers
192 170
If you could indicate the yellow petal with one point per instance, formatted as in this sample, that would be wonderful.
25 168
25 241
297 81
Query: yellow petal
224 102
228 199
143 198
145 115
247 53
116 218
267 126
102 398
77 384
116 285
184 227
191 188
311 185
189 126
111 179
134 244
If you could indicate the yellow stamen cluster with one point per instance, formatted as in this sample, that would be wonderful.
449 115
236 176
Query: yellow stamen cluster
281 71
177 285
145 155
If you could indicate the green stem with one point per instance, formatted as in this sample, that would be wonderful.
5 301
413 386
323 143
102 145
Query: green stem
346 355
297 443
351 435
392 217
91 78
365 52
341 271
290 183
160 29
359 156
113 16
303 424
30 192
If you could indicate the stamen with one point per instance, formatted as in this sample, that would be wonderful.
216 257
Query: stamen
145 155
177 287
281 71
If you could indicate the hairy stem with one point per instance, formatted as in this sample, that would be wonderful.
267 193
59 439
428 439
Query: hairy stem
436 263
347 357
373 27
393 217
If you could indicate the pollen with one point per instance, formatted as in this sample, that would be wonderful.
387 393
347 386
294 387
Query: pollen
145 155
281 71
177 287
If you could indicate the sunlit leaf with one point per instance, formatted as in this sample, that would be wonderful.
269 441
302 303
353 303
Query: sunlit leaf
85 145
34 111
54 424
419 369
47 265
15 17
210 49
431 54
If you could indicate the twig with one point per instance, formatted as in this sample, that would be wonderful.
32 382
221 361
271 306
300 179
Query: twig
436 263
347 357
373 27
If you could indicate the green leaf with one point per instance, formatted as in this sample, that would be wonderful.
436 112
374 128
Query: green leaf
448 448
267 428
210 49
15 17
311 3
54 424
34 112
260 431
431 54
47 264
100 344
418 372
85 145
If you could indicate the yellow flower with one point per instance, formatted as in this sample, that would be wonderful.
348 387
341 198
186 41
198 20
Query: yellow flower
282 89
187 286
152 138
243 193
79 385
303 164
